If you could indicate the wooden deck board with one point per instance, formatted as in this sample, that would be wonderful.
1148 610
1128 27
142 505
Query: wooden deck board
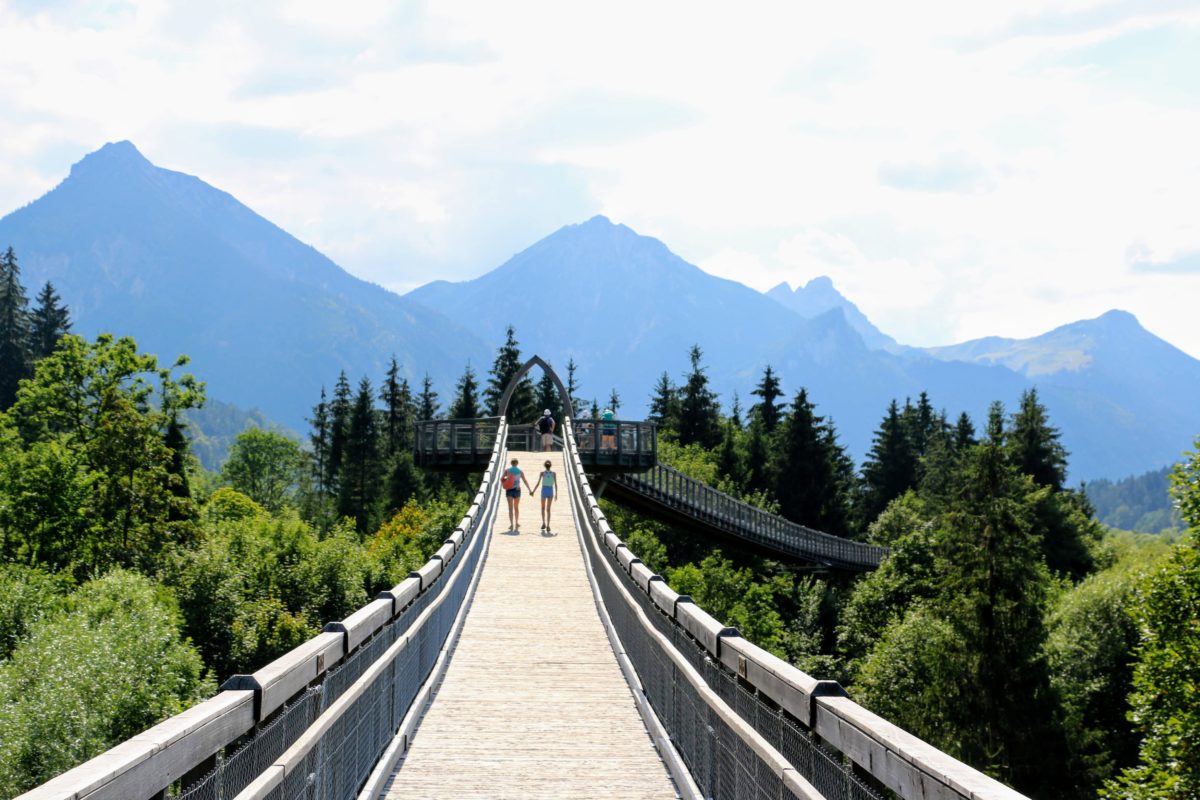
533 704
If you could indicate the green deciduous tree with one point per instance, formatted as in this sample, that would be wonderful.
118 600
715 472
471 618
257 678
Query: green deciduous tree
107 667
95 486
265 466
1166 675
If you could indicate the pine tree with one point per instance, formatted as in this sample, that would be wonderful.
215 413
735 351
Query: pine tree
546 396
521 408
995 423
360 485
964 432
768 392
921 423
891 467
664 403
729 457
735 412
614 402
319 439
1033 444
396 411
427 404
14 329
573 386
181 507
808 474
339 426
466 401
49 321
699 412
759 472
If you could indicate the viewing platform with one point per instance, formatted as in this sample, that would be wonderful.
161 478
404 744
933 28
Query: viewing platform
605 446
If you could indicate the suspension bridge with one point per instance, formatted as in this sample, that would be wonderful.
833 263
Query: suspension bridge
528 664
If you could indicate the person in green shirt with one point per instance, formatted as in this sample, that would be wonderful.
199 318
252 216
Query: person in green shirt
549 483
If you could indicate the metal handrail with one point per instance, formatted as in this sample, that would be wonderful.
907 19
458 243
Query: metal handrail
706 504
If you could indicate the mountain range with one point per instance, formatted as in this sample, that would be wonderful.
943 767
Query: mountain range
183 267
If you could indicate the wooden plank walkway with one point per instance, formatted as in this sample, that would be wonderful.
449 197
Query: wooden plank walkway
533 704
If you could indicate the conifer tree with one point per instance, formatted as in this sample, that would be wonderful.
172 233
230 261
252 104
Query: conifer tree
735 412
360 484
14 329
699 412
339 425
397 402
614 402
466 399
427 404
319 439
729 457
573 386
891 467
995 423
808 474
521 408
546 396
759 472
768 409
664 403
964 432
49 321
1033 444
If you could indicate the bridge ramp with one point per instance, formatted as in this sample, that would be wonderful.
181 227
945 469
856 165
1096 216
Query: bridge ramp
533 703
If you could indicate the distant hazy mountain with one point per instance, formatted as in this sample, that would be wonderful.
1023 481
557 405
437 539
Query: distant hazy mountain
818 296
1136 392
185 268
627 308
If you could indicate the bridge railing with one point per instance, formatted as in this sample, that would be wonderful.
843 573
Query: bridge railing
455 441
744 722
706 504
313 723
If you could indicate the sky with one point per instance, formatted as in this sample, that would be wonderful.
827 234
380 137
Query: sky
958 169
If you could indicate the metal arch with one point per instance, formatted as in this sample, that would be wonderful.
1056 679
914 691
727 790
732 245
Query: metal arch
568 410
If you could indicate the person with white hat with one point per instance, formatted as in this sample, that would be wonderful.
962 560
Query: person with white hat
545 427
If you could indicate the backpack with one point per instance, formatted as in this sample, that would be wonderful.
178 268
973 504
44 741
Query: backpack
544 425
508 480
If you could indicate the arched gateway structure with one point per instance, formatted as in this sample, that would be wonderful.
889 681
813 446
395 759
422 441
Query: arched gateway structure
535 645
564 395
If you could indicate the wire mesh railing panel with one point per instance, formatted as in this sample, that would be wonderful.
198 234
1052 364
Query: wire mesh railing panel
235 771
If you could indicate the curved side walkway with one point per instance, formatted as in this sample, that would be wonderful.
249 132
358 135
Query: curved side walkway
533 703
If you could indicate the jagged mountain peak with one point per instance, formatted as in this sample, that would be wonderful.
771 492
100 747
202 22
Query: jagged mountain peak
819 296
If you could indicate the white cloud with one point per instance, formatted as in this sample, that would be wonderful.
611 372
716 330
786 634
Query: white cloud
957 169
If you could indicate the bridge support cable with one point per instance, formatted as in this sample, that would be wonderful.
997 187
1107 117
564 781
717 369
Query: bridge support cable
746 723
313 723
669 494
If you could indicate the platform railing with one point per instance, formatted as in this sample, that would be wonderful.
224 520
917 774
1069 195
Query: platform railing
744 722
314 722
698 500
